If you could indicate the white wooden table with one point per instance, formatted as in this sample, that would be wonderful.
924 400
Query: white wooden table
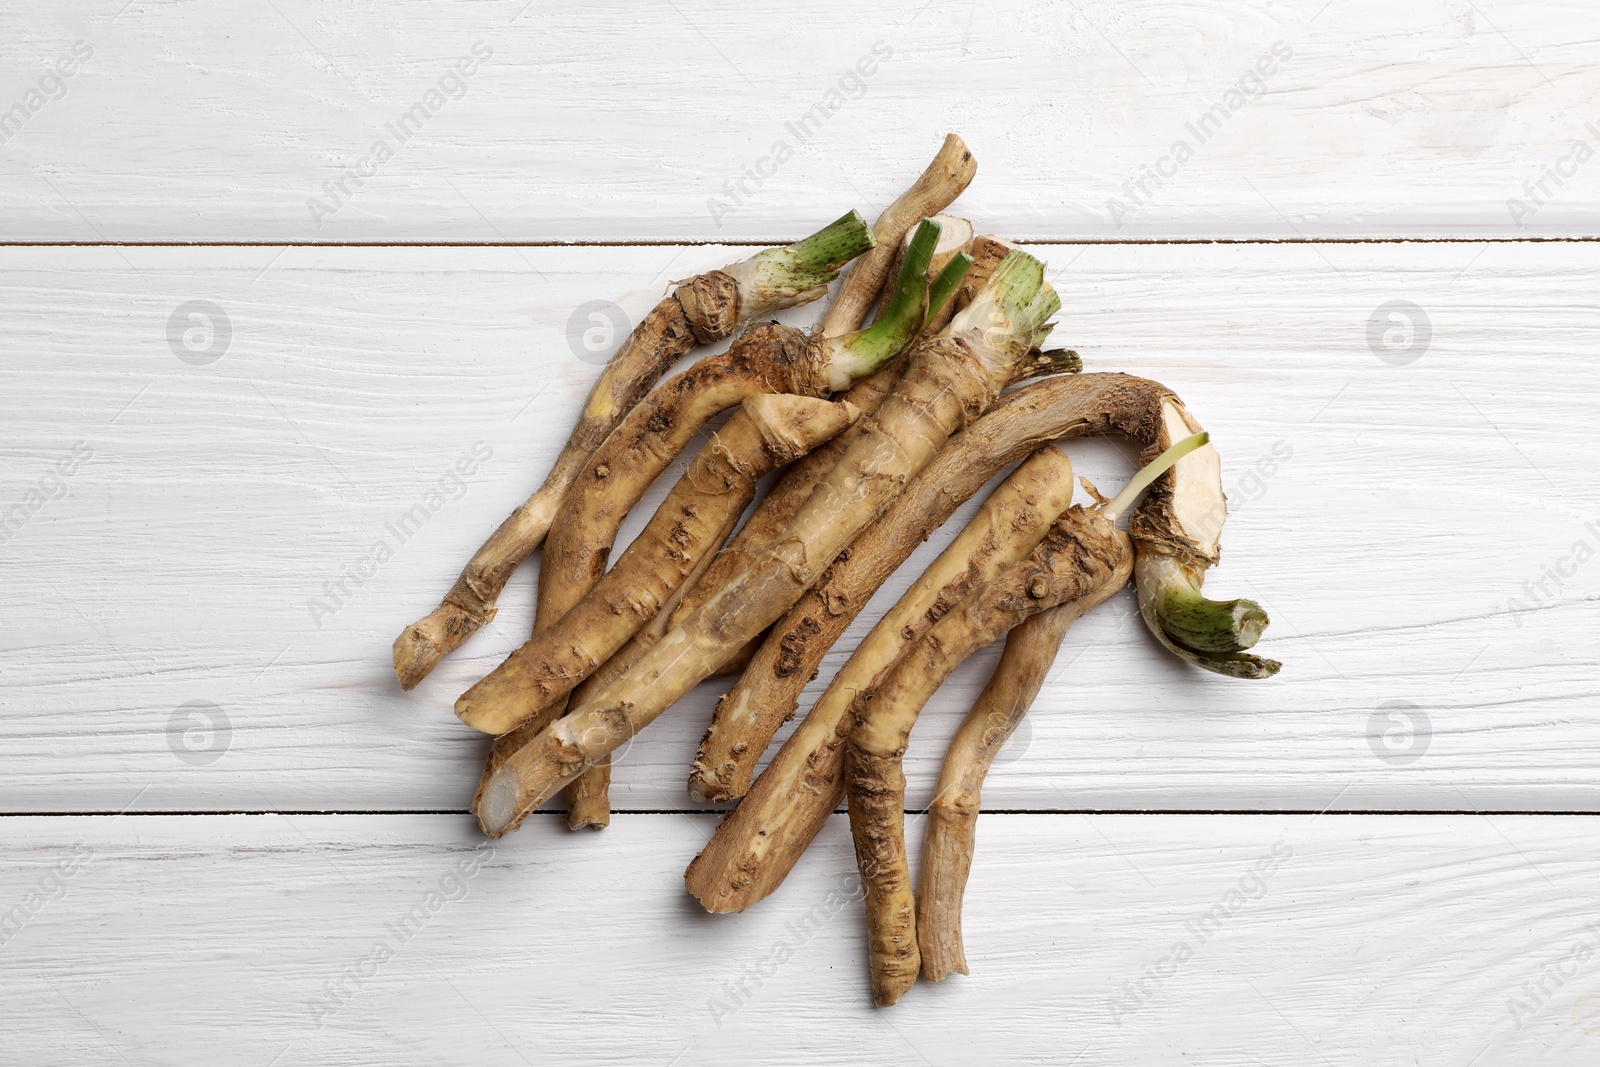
1369 269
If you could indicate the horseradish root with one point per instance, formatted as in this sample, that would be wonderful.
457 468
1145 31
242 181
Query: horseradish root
880 451
754 849
1082 555
766 358
1176 544
1009 525
734 741
765 697
949 840
950 379
702 310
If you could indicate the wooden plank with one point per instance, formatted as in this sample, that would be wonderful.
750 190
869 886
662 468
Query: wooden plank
686 120
1226 940
1396 519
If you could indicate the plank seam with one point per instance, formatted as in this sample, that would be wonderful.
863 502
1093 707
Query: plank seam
1564 239
1245 812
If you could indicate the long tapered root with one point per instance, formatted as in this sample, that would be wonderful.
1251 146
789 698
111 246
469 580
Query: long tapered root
952 832
878 786
740 729
1007 527
1082 554
949 841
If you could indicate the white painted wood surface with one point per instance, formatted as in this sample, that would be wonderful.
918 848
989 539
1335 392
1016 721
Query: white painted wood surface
584 121
190 558
283 939
192 555
1412 489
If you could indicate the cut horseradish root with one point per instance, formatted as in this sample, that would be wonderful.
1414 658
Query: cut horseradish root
887 424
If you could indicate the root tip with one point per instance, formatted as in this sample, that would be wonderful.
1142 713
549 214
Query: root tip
414 655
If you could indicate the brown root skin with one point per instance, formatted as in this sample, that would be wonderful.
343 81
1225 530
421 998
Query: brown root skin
988 252
737 749
877 784
767 358
1082 553
589 800
768 431
949 839
754 849
950 379
944 179
736 736
1006 528
770 516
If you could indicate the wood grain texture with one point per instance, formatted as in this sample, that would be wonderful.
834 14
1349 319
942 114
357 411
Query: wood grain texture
1392 518
583 122
1345 941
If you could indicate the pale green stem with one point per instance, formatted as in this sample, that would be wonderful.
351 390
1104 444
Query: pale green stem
945 285
812 261
859 354
1147 475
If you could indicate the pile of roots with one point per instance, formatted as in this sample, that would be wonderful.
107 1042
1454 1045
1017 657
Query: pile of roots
927 377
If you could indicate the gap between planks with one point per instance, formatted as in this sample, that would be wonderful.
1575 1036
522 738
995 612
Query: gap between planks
1242 812
653 243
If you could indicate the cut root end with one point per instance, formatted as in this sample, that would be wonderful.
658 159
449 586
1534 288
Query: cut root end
1209 634
497 805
